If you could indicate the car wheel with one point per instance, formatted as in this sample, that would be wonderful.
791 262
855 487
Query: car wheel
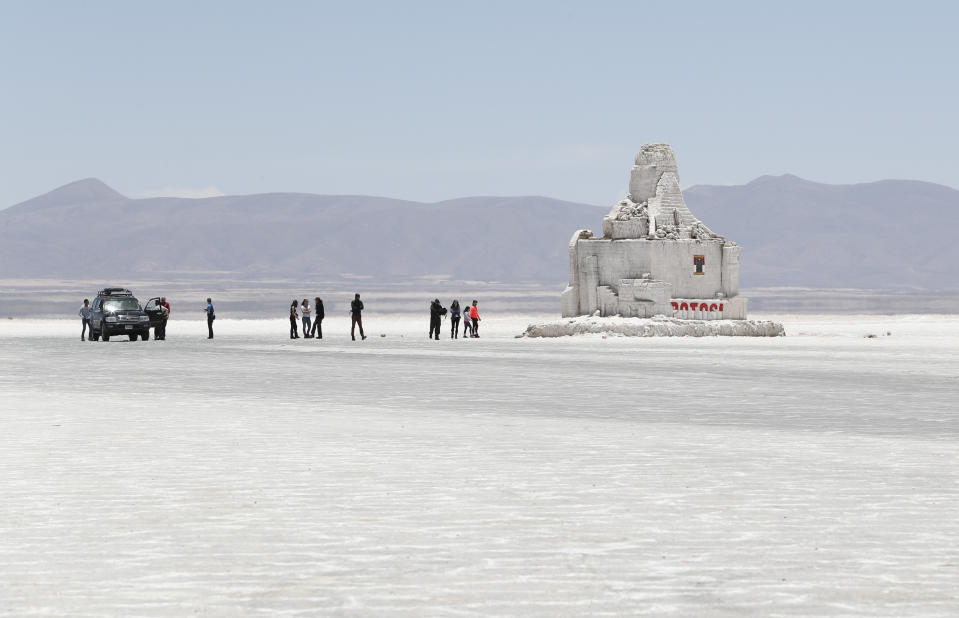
133 336
104 334
145 335
94 336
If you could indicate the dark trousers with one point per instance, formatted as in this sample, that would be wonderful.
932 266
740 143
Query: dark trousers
209 325
357 320
434 326
86 327
160 331
475 326
455 326
466 324
293 333
318 328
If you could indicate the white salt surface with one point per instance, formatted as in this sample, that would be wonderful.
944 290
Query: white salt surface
250 475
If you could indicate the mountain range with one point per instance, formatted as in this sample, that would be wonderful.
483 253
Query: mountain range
892 234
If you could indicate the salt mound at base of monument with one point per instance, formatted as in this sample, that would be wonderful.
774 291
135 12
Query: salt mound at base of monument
657 326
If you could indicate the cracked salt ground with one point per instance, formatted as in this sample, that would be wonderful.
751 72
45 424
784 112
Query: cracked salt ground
807 475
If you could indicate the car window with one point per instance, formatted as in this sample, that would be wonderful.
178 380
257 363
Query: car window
152 305
121 304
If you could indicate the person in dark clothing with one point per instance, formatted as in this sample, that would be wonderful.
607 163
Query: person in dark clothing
437 311
294 316
454 319
318 315
356 312
160 331
210 316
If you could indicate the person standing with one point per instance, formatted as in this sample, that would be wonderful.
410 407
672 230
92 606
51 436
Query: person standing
437 311
307 321
210 316
318 318
160 331
475 318
467 323
356 312
454 319
84 314
293 318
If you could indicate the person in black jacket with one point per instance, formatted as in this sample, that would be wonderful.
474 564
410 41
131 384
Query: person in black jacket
437 311
356 309
293 318
318 315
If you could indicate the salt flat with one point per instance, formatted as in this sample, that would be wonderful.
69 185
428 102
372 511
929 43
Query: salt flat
251 475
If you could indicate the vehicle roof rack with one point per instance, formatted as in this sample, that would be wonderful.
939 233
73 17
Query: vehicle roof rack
114 292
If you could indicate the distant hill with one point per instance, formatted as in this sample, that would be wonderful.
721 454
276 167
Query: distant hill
892 234
86 229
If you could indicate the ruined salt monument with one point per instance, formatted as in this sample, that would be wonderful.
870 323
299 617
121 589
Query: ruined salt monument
655 258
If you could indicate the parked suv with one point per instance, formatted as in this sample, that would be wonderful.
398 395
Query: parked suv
116 311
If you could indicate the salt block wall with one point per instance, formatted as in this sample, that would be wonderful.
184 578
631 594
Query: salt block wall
670 261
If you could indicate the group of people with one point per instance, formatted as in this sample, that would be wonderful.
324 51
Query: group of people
470 317
311 329
313 318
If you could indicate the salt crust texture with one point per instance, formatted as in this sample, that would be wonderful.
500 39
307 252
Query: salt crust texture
656 326
252 475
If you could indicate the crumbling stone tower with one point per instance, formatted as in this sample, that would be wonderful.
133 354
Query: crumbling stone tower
655 256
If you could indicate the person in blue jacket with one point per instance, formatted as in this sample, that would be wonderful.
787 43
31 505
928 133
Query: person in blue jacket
210 316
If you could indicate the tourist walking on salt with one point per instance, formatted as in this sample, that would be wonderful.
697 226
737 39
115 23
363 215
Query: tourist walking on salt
475 318
356 313
210 316
454 319
307 320
84 314
294 316
318 316
437 311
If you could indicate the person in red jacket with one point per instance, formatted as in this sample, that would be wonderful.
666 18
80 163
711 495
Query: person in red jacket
475 318
160 332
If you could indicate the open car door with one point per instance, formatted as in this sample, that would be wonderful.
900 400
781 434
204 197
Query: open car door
152 309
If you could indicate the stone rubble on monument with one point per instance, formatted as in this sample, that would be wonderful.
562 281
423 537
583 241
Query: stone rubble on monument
655 256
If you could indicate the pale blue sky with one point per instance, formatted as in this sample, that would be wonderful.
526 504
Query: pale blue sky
434 100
